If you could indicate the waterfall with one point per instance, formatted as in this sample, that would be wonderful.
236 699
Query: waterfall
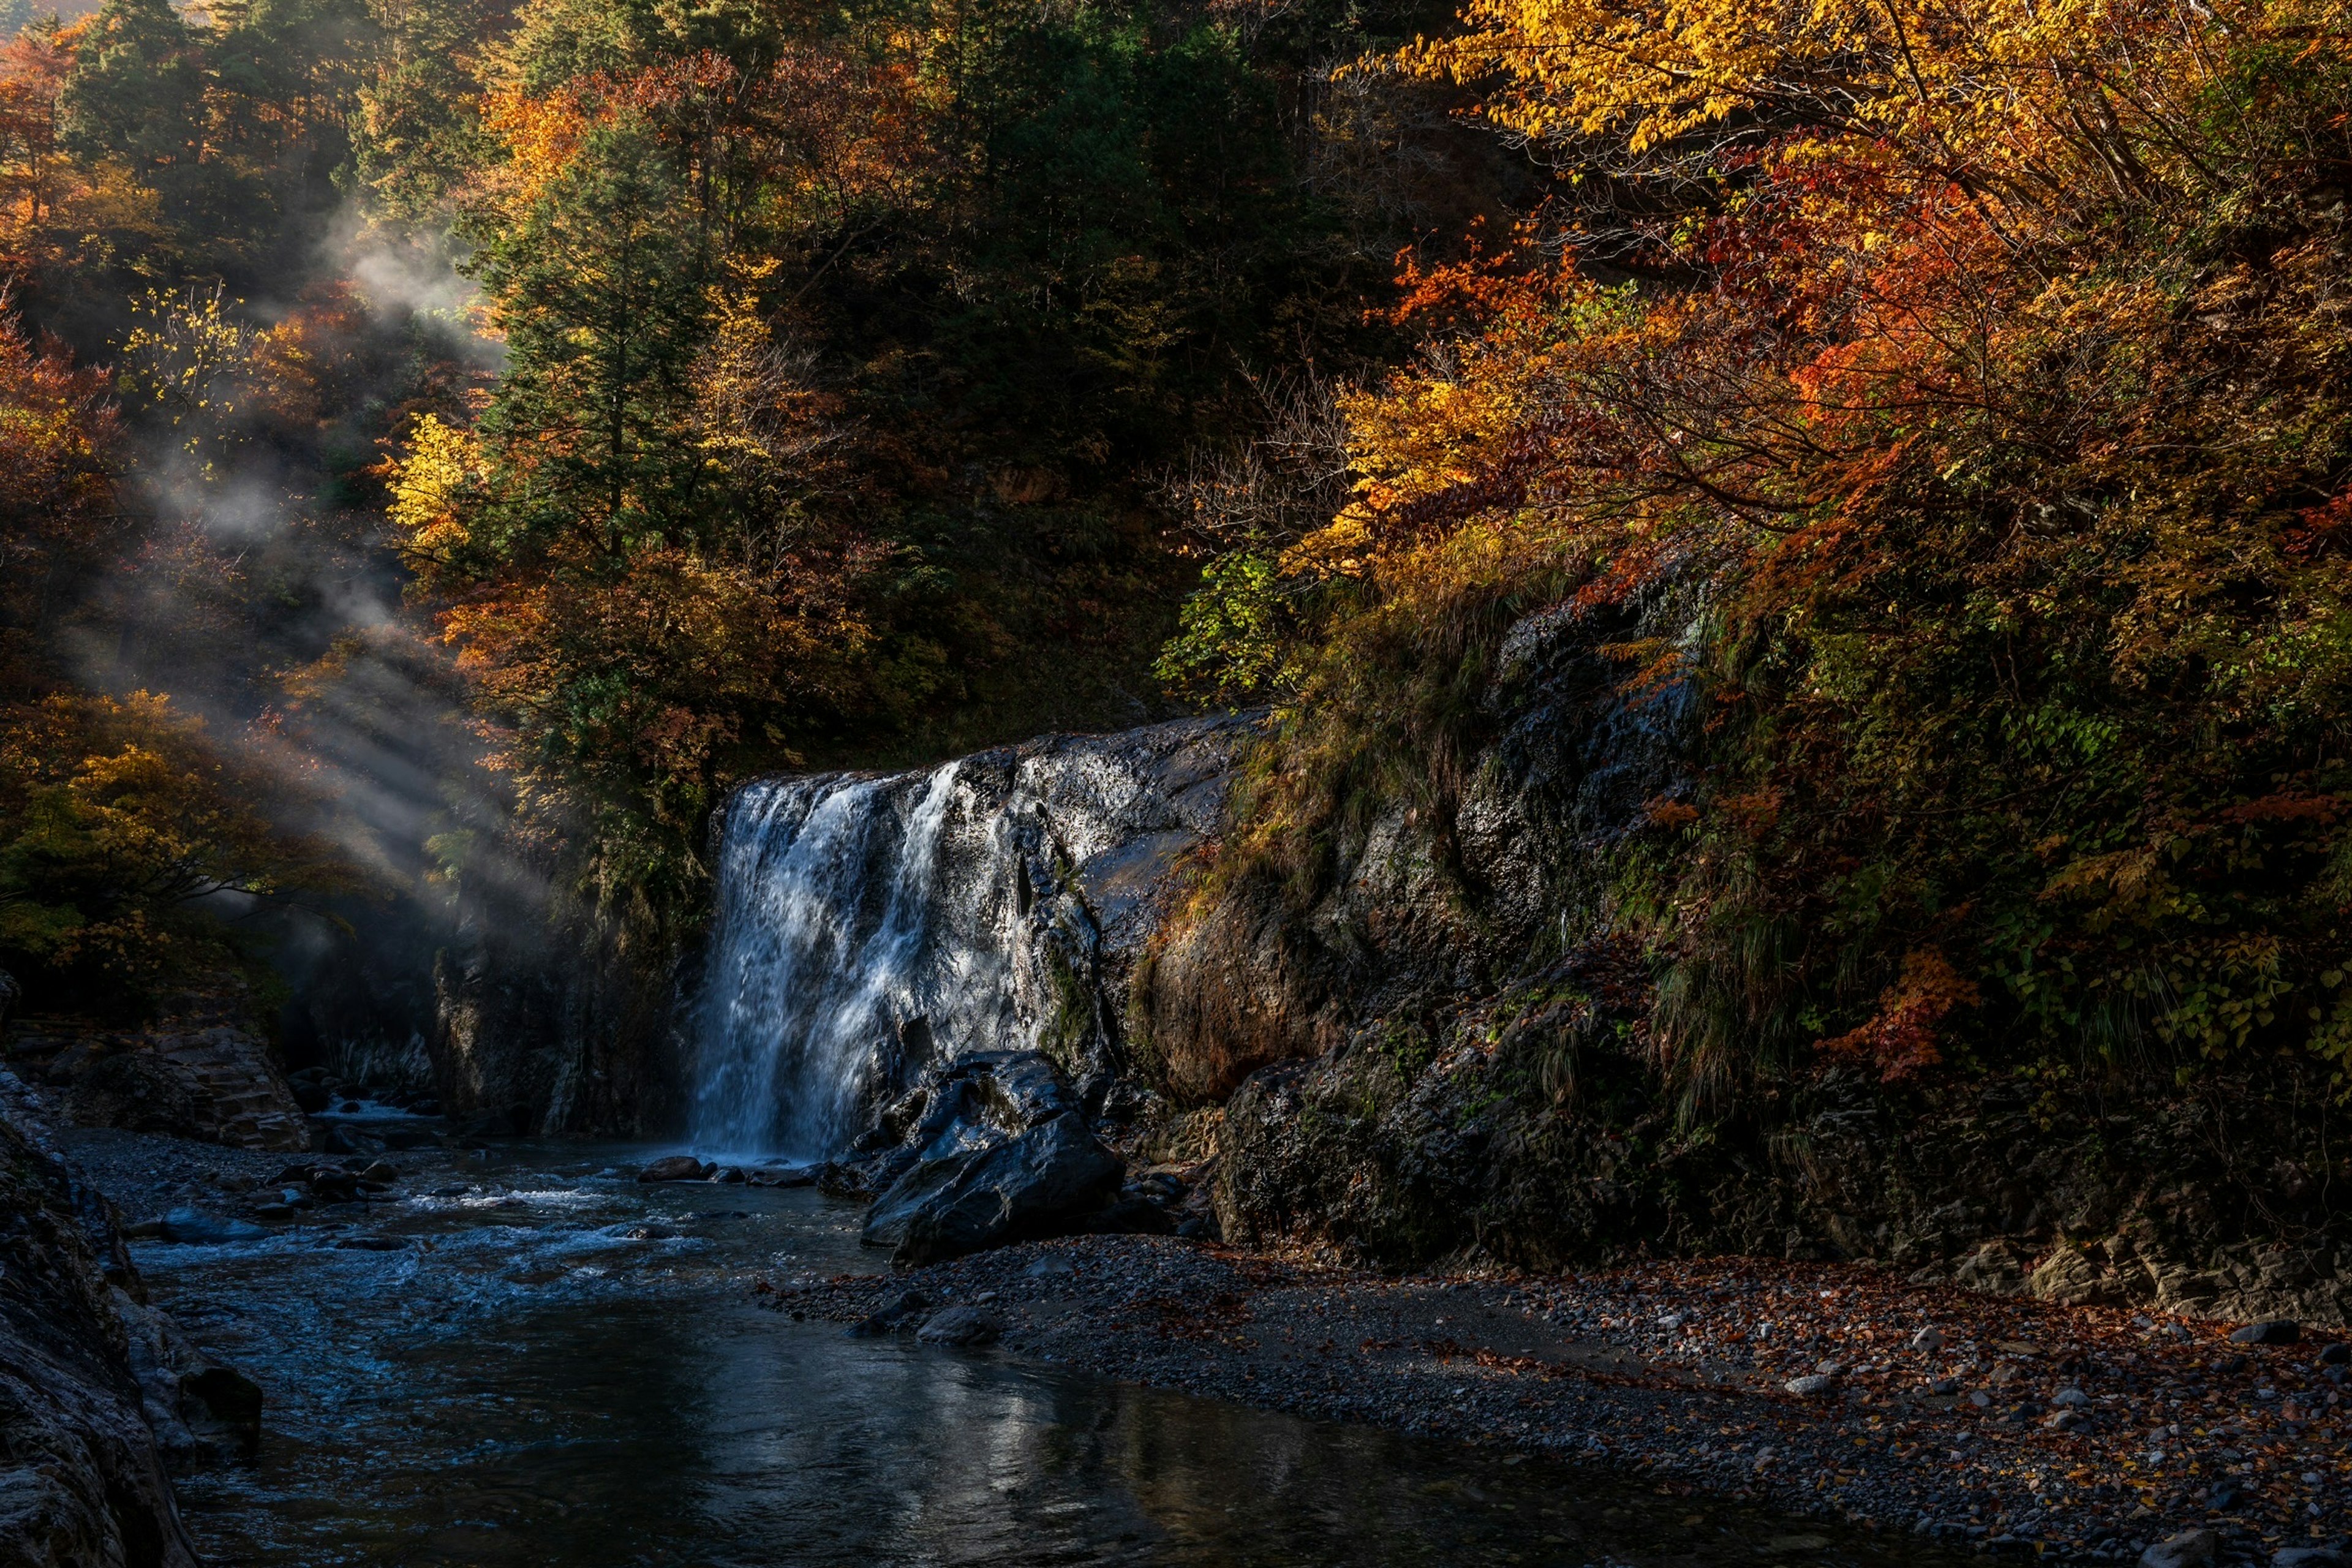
822 955
868 923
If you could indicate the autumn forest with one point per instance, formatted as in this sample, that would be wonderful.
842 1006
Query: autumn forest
633 397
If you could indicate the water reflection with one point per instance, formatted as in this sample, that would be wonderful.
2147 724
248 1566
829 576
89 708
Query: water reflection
564 1368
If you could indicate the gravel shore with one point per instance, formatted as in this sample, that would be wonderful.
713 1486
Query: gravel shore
1998 1424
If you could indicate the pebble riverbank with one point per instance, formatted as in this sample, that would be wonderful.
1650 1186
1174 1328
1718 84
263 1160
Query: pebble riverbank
2003 1425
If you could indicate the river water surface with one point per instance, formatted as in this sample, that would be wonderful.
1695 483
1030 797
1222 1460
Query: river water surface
534 1360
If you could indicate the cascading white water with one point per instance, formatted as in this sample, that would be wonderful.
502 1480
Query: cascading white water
821 955
863 921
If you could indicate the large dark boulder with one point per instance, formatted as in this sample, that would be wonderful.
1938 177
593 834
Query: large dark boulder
1045 1181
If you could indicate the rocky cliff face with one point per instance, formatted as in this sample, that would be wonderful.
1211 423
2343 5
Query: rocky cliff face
82 1478
1436 1057
201 1071
569 1028
1428 898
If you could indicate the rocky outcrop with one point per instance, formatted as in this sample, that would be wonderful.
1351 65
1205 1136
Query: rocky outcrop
1412 1146
203 1072
573 1026
1426 899
82 1478
995 1150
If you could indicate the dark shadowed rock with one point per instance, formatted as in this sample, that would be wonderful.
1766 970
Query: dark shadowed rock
199 1230
675 1168
2277 1331
81 1471
861 1179
959 1326
1131 1217
2189 1549
1045 1181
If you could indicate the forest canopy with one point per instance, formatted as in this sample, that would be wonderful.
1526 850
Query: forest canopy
1958 394
1951 396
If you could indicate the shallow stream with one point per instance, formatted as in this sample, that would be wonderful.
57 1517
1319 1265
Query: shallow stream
528 1358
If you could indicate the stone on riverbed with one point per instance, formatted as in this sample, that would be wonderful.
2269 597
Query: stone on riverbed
677 1168
2277 1331
196 1230
2189 1549
1043 1181
959 1326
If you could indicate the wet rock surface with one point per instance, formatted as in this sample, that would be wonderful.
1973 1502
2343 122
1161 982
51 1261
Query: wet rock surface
96 1387
1042 1181
1837 1389
990 1147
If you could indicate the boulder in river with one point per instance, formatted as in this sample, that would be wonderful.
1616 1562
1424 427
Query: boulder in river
676 1168
1045 1181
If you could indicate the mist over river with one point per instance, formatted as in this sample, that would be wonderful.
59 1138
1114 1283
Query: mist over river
524 1356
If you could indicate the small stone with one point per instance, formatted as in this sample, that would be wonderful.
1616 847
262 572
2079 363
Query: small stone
675 1168
1981 1399
2310 1557
380 1170
2070 1399
1928 1339
1813 1388
959 1326
2336 1355
2189 1549
2275 1332
187 1225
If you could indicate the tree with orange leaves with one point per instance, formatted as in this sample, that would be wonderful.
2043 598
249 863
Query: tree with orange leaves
1969 380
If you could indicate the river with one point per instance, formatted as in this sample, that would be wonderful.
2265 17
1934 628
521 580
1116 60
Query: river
526 1357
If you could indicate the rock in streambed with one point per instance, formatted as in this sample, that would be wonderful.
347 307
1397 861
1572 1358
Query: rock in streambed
1000 1153
1042 1182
